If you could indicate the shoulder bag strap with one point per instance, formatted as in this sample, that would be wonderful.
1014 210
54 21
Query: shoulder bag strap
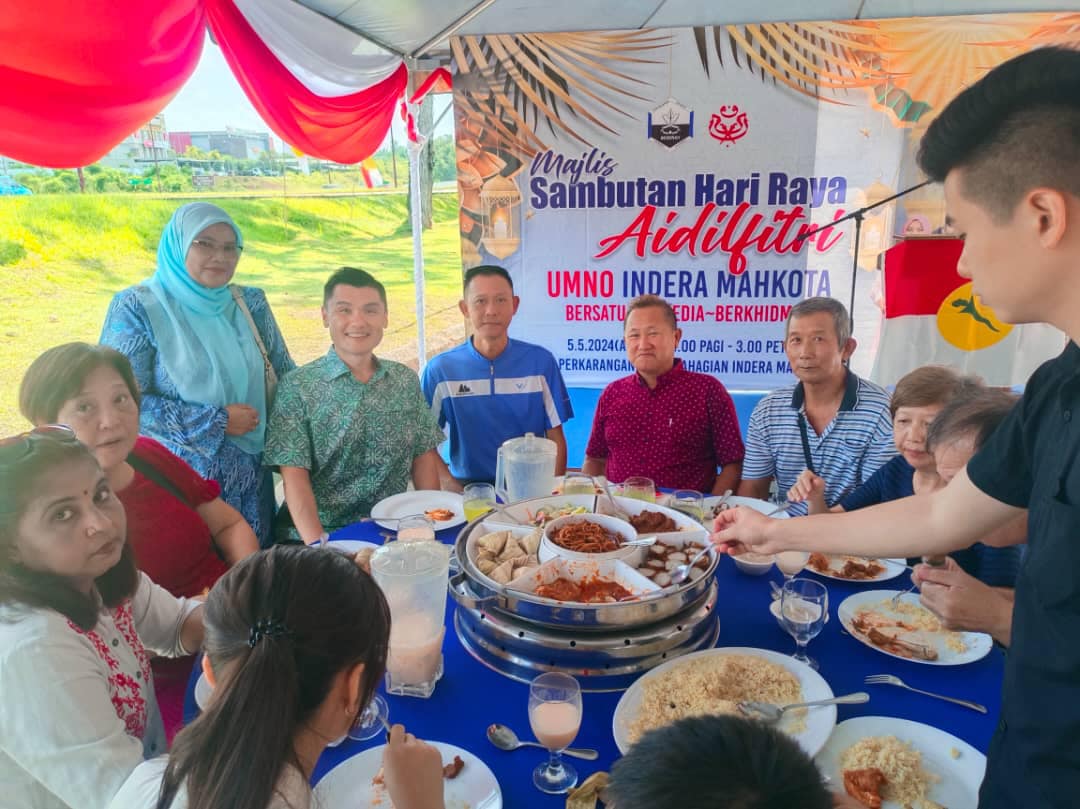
268 367
152 473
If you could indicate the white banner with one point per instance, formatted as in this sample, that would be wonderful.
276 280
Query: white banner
686 163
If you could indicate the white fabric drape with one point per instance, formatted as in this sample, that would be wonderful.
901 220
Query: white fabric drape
327 58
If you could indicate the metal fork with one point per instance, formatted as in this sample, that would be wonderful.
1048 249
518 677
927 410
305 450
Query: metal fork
932 561
890 679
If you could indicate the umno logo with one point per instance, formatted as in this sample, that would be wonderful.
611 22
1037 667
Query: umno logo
728 125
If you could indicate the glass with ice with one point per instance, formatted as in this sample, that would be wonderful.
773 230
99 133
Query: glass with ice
413 578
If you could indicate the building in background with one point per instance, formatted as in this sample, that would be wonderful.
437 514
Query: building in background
243 144
150 143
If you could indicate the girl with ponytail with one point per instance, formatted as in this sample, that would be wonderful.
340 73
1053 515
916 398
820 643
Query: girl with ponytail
296 643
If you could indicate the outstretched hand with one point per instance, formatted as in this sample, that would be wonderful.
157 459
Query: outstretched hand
809 488
741 529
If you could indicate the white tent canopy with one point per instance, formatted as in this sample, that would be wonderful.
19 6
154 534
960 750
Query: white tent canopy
416 28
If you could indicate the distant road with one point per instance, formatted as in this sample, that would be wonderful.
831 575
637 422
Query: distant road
450 188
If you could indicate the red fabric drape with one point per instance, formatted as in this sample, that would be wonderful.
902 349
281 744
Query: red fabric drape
344 128
78 76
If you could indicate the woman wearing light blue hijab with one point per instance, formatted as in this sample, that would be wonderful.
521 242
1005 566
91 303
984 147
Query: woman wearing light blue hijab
194 343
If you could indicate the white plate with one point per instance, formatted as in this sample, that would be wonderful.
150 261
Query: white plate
417 502
764 506
978 644
351 546
819 721
348 785
203 690
960 777
893 568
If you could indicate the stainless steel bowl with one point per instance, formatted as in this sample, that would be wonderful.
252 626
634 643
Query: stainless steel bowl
601 661
483 594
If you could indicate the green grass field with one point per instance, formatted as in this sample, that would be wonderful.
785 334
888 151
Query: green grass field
62 257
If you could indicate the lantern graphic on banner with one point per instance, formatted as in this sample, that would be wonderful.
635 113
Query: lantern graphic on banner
499 201
876 226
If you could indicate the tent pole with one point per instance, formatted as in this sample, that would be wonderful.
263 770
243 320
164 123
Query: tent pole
475 11
415 150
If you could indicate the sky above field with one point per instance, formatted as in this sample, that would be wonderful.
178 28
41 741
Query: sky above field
212 99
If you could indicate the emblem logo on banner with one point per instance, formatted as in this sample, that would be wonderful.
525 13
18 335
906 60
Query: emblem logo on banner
671 123
968 325
728 125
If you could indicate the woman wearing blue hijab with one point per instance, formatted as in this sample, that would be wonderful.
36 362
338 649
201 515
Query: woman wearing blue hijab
206 355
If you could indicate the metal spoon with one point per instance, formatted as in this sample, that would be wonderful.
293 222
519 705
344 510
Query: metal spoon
779 509
639 542
769 713
619 511
682 572
505 739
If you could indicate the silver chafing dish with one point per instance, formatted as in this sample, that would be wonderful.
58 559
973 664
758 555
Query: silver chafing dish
606 646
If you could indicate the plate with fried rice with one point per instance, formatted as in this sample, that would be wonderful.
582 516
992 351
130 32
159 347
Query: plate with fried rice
912 764
909 631
712 681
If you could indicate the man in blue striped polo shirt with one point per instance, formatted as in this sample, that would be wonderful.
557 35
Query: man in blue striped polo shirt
491 387
831 422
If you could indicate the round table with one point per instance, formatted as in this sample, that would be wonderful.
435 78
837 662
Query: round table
471 696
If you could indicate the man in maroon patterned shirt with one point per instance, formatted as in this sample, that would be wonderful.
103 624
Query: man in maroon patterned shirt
664 422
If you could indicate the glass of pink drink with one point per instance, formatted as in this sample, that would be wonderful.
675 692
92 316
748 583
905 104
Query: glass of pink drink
555 717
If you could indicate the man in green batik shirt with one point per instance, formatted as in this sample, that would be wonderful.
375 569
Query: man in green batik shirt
349 429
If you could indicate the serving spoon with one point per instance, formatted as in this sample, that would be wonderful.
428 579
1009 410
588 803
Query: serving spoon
505 739
682 572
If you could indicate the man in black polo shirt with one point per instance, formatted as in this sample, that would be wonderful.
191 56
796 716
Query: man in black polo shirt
1008 151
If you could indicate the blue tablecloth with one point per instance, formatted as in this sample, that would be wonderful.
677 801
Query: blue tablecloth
470 696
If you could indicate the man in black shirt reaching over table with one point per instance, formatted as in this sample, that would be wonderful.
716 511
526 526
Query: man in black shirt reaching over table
1008 151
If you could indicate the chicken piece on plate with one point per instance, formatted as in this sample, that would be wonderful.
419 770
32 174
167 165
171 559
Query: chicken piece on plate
865 786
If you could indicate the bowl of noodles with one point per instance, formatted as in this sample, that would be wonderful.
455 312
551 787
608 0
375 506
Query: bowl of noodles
590 537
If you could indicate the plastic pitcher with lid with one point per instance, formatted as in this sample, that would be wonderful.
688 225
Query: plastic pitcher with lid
525 467
413 578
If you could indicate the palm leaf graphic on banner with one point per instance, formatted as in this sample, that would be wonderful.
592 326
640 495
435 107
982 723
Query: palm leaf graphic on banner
820 60
516 87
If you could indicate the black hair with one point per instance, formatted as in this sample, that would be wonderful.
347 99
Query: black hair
717 762
1016 128
352 277
977 413
57 376
492 270
327 615
20 482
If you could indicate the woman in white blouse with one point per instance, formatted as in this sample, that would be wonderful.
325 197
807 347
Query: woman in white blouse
296 644
77 620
